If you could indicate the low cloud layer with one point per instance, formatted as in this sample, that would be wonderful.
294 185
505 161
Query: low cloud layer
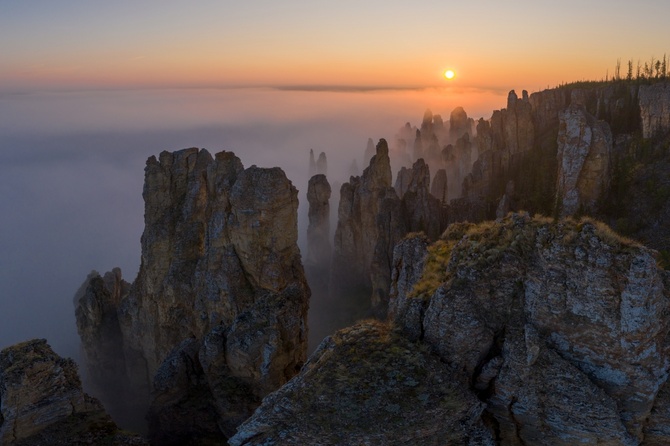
71 172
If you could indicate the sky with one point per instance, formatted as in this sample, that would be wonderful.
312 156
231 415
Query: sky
90 89
532 44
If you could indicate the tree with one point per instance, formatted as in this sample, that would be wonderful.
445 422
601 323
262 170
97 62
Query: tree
629 75
639 67
664 68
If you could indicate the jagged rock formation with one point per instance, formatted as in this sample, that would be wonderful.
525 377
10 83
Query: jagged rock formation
96 304
558 329
459 124
42 402
319 250
421 209
357 230
584 151
654 101
373 218
368 385
220 265
402 180
503 143
515 124
560 326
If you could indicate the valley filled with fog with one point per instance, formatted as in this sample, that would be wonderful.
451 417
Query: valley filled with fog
72 169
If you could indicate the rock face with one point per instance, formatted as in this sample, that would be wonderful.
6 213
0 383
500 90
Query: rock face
219 256
37 388
439 188
319 249
368 385
459 124
372 219
584 152
40 392
654 102
502 142
420 208
515 123
560 326
402 181
357 231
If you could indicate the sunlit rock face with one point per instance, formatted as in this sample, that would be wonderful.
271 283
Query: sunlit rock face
654 102
220 265
584 152
42 402
562 327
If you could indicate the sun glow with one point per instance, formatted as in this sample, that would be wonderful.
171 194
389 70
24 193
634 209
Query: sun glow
449 74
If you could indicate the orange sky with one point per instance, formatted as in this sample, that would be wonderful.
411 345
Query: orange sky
517 44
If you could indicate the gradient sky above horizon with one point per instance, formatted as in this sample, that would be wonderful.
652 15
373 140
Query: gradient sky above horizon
529 44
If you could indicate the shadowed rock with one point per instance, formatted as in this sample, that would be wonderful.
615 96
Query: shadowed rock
42 402
219 255
561 326
319 250
368 385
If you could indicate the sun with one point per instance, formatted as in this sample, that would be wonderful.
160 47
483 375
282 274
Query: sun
449 74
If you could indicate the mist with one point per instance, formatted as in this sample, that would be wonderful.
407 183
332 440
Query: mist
72 170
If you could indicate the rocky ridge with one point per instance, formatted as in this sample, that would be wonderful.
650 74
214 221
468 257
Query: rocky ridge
556 332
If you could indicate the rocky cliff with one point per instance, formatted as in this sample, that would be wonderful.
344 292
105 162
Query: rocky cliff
373 217
560 327
584 156
654 102
220 266
42 402
520 331
357 231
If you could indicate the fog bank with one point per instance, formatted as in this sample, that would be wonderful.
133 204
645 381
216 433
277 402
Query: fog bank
71 173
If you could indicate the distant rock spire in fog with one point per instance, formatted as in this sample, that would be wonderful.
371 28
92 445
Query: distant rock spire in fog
318 232
459 123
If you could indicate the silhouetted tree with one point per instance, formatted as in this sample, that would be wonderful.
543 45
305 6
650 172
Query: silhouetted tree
617 70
